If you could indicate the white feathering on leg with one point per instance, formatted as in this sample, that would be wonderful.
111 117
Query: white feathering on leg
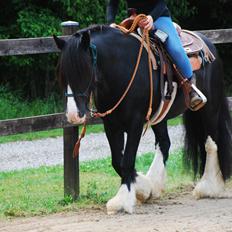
211 183
157 175
143 187
124 200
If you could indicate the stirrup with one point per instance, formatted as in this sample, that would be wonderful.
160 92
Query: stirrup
201 95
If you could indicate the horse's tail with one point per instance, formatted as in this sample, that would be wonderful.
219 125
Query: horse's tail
215 123
225 140
196 135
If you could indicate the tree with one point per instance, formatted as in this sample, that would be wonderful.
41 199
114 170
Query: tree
34 75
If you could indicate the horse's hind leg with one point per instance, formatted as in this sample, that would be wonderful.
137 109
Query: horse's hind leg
156 172
211 183
202 143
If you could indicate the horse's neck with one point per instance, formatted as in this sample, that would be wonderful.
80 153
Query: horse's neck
114 52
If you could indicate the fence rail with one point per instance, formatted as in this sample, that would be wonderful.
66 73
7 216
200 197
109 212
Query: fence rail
27 46
42 45
37 123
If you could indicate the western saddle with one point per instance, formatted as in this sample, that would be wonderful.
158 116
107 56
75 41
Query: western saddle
198 52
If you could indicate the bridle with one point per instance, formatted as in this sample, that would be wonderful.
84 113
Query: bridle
93 49
84 94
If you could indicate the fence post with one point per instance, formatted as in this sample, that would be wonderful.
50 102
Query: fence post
70 136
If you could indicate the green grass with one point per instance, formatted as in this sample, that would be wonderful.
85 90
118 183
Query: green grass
46 134
175 121
40 191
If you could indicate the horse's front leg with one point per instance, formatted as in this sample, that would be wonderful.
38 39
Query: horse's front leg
115 136
125 198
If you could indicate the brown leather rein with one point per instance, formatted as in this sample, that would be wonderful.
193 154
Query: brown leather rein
145 37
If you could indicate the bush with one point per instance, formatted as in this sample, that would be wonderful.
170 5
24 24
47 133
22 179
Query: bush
12 105
34 75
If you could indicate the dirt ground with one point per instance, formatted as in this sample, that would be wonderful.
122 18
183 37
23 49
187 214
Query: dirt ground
173 213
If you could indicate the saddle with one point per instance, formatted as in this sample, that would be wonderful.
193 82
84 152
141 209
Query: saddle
195 48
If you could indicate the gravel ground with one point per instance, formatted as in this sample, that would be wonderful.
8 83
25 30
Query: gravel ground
48 152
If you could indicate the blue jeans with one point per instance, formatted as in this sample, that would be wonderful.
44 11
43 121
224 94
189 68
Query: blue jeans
174 46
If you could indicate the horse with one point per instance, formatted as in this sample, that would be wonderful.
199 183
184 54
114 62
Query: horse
106 71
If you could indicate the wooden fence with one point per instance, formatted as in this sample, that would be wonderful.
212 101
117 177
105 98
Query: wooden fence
41 45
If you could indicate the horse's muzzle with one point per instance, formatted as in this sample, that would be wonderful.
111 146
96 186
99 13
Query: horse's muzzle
75 118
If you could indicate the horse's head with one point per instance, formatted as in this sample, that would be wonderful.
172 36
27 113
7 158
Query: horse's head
75 72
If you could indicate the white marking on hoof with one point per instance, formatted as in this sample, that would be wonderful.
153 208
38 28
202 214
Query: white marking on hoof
123 201
212 183
143 187
157 175
72 110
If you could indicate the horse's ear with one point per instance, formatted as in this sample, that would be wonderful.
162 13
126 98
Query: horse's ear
85 40
60 43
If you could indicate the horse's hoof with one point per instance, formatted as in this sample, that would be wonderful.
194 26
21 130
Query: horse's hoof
156 193
115 206
197 194
209 189
143 188
124 201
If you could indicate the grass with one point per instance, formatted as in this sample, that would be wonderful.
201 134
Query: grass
40 191
45 134
175 121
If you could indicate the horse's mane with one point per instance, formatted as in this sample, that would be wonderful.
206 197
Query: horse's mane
94 28
74 59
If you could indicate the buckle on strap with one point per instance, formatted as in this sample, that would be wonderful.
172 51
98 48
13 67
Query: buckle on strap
93 49
66 94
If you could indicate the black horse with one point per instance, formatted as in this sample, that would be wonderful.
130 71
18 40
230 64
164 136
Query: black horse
208 130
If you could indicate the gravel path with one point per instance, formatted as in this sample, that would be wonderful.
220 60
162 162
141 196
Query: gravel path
48 152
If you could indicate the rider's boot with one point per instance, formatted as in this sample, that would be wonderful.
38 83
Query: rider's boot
195 99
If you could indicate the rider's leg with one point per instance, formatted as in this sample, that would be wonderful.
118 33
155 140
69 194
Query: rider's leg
177 52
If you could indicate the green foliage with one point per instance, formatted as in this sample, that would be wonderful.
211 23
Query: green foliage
93 14
13 106
180 9
38 22
31 18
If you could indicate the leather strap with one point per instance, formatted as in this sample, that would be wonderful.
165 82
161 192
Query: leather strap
146 38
